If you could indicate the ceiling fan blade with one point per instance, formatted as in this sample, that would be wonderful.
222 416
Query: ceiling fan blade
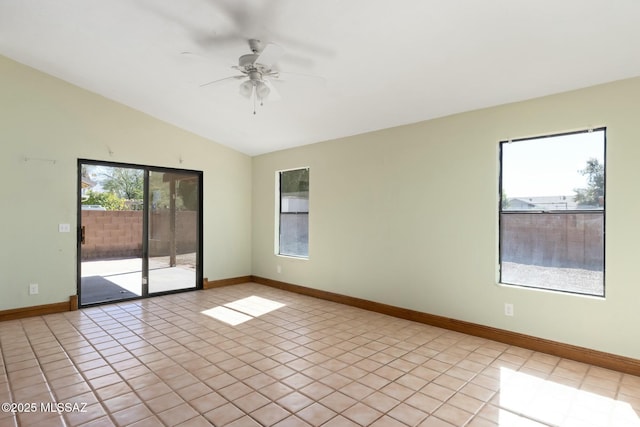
301 61
270 55
218 40
304 46
221 80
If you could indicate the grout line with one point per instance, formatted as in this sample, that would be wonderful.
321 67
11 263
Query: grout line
304 329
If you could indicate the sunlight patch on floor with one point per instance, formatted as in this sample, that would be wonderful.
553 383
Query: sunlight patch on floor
242 310
227 315
550 403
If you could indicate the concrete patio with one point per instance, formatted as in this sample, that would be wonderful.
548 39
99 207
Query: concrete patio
127 274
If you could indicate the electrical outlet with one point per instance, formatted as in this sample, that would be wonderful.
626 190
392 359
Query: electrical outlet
33 289
64 228
508 309
279 269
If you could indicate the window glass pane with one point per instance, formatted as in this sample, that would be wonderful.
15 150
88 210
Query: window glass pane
295 182
559 251
554 173
294 213
552 212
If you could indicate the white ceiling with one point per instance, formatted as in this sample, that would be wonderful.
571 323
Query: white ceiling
377 63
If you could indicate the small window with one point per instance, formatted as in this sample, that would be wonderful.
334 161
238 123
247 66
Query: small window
552 193
294 213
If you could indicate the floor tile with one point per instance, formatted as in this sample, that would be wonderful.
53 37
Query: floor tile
160 362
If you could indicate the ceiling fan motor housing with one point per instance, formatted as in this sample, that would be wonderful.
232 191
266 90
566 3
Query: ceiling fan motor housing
248 60
255 75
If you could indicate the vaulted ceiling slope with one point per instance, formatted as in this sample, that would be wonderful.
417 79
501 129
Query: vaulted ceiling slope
346 67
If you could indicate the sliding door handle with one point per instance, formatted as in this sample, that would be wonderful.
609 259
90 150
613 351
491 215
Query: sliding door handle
82 235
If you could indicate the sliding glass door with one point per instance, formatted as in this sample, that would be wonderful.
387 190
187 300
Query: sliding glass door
139 231
173 217
111 233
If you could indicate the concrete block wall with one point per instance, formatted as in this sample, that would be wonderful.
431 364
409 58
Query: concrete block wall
112 234
118 234
160 232
572 240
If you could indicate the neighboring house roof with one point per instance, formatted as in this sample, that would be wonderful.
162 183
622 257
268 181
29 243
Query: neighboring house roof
544 203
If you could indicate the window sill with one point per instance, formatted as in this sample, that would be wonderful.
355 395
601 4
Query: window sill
303 258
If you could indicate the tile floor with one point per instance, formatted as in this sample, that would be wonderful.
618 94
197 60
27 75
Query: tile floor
250 355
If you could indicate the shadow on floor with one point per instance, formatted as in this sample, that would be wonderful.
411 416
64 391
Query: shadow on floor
96 289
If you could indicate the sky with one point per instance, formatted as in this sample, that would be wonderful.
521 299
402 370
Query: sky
549 166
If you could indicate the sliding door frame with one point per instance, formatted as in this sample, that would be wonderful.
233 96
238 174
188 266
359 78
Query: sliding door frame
145 228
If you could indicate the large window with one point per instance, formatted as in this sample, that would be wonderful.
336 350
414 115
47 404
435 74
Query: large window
552 198
294 213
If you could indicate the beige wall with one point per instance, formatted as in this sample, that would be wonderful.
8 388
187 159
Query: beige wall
408 216
405 216
42 117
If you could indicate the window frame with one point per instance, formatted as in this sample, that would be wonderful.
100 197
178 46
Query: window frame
601 211
279 214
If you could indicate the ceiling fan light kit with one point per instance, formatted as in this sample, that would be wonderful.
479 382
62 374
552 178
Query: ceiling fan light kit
246 89
262 90
257 68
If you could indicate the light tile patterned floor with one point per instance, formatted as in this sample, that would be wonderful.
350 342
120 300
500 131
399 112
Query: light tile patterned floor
287 360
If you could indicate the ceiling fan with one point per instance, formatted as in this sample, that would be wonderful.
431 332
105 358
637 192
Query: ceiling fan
257 70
